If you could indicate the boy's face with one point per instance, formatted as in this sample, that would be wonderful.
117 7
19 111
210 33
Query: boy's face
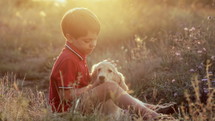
85 44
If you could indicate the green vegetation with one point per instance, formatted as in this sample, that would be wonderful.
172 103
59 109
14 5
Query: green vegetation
160 47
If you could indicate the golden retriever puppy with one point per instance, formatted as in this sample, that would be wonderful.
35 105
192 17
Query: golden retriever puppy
107 71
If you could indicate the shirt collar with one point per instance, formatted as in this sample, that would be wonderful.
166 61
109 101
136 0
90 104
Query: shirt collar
73 49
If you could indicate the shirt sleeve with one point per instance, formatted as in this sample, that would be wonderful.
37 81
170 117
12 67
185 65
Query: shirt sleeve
67 75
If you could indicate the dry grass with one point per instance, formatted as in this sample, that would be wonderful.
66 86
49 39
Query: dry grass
195 109
17 103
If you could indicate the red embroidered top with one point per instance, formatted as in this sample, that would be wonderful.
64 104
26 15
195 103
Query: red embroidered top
69 71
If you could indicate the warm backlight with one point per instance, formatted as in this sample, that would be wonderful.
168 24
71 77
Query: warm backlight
60 1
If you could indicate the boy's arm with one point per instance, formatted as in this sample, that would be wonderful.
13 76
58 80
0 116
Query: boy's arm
69 94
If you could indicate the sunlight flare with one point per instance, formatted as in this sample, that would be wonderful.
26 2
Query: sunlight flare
59 1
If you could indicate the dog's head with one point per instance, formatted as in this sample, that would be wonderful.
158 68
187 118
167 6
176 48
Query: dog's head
106 71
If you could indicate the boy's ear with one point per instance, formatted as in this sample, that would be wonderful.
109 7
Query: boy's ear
69 37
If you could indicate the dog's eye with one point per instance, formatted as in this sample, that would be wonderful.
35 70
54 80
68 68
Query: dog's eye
109 70
99 69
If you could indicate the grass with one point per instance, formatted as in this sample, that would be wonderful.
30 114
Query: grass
18 103
197 110
158 47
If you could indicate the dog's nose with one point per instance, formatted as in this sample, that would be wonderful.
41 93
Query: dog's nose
101 78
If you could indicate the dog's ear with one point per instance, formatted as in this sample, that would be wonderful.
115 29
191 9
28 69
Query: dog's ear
122 81
93 73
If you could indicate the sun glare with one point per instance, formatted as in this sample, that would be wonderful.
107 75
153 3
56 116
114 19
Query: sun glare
59 1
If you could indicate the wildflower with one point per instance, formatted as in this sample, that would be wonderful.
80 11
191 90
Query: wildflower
205 90
185 29
204 80
213 57
192 70
199 51
192 29
177 53
204 49
210 73
173 80
175 94
200 66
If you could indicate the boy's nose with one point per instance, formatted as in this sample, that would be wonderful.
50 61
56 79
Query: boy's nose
93 44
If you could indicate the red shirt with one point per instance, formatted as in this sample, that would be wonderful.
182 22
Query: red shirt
69 71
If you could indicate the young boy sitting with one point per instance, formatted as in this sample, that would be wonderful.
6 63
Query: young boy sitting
70 77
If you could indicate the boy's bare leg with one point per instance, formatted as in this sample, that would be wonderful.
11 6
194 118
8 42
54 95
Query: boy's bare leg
110 90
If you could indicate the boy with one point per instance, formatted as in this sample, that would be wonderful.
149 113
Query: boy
70 76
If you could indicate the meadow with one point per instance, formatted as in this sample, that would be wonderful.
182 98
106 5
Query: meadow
165 49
